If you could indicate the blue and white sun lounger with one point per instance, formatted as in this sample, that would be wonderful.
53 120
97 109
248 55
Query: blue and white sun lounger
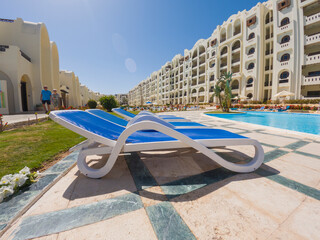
128 115
124 123
104 137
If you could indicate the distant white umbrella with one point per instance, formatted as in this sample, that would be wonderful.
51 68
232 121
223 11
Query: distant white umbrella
284 94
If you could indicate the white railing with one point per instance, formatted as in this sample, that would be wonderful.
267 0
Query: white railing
201 93
194 94
311 80
312 39
312 59
285 27
312 19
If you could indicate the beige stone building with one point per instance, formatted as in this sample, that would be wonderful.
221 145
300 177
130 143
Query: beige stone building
28 61
272 47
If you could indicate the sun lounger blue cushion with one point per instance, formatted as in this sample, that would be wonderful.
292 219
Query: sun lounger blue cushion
108 116
171 117
112 131
131 115
124 112
122 122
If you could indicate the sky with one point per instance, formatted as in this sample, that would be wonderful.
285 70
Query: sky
112 45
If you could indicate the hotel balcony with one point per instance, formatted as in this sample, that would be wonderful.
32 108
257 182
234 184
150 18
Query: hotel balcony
235 61
269 52
285 27
269 20
269 36
314 80
314 38
283 81
223 65
312 19
304 3
312 59
235 49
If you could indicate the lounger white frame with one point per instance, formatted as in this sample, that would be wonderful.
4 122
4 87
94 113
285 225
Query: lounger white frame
98 145
144 117
149 113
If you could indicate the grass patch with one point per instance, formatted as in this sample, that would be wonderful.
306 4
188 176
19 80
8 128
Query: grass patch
33 145
219 112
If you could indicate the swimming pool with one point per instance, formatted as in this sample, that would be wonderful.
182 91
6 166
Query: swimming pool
301 122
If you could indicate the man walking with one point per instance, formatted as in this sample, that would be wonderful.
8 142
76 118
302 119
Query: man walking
46 98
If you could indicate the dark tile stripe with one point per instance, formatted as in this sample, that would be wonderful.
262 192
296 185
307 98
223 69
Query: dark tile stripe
309 191
63 220
269 156
167 223
189 184
308 154
14 204
140 173
296 145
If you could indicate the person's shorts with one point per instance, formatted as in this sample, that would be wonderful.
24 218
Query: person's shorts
46 101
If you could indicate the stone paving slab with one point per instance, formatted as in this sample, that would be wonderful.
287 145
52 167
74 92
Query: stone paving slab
181 194
13 119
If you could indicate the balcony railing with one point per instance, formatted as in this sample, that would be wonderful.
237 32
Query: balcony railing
314 38
313 80
312 19
312 59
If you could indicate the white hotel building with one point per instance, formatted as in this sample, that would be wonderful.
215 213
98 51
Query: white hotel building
274 46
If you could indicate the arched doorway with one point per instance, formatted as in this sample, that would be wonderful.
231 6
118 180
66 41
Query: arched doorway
10 93
26 93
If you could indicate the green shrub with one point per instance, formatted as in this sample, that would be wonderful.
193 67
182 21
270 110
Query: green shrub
108 102
92 103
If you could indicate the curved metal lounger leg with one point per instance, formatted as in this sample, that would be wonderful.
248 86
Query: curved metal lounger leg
242 168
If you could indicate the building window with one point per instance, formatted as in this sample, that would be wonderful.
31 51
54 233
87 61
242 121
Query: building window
251 36
251 21
224 50
249 95
250 66
285 57
213 42
284 22
285 39
213 54
250 80
283 4
284 75
251 51
314 74
313 94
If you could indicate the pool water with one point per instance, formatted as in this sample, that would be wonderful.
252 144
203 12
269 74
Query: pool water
301 122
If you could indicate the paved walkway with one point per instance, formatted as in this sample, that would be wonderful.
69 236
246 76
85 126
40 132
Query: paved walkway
18 118
184 195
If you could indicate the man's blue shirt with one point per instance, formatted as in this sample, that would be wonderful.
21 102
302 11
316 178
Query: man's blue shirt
46 94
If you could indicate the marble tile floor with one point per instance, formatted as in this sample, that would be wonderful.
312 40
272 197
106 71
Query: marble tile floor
181 194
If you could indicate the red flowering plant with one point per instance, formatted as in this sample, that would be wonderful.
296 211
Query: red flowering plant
2 124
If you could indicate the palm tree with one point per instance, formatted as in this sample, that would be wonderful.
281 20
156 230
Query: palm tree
223 86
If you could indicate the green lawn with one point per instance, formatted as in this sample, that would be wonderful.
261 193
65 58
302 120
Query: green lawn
32 145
